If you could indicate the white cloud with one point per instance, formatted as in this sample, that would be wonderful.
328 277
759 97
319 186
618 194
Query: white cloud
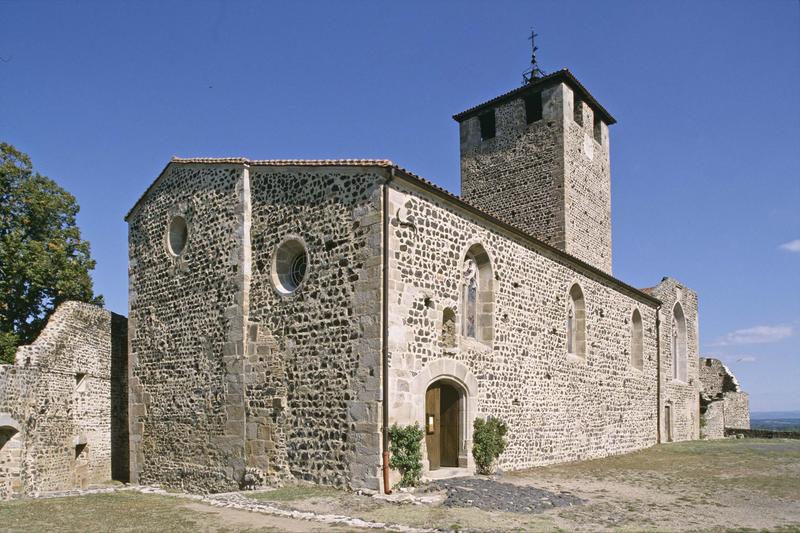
791 246
755 335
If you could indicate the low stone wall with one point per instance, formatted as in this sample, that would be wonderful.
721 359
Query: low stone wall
762 433
737 410
61 418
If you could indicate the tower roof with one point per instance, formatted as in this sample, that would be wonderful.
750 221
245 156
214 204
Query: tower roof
563 75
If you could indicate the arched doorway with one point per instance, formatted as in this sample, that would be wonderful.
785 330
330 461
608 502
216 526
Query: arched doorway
10 461
444 410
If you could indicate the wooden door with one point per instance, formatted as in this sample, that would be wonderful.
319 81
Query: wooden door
442 425
449 407
433 430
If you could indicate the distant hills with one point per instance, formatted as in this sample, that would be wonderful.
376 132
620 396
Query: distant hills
764 415
776 420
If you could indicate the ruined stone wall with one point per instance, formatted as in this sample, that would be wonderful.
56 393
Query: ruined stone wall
712 421
186 330
716 378
313 380
737 410
518 176
558 407
56 404
721 398
683 397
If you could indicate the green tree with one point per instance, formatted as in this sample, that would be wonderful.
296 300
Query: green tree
43 260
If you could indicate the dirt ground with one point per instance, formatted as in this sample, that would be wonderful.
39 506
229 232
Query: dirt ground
707 485
730 485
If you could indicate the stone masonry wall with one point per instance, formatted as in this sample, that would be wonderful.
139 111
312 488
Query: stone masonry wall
518 176
56 404
737 410
683 397
550 178
712 421
722 402
315 396
558 407
229 377
587 186
187 331
716 378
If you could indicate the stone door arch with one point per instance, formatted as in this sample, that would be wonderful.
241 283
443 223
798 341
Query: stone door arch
10 458
461 388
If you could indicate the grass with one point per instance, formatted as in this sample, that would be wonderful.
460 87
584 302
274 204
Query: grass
134 512
728 485
121 511
768 466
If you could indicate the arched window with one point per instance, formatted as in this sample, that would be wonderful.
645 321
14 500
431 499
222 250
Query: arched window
678 344
478 296
576 322
637 360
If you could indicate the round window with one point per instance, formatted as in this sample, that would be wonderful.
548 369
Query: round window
178 234
289 266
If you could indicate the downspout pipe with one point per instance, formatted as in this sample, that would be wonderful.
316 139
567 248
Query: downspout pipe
658 374
385 334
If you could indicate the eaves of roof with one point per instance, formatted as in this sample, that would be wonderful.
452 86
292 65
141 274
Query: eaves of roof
259 162
545 81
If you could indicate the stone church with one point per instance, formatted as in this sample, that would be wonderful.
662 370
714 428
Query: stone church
284 313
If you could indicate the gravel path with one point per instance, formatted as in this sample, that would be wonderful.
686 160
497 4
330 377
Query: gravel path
492 495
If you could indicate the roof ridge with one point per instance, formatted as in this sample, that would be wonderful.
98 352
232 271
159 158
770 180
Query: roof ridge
284 162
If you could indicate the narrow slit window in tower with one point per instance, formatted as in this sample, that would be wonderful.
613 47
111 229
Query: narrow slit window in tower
577 110
598 126
533 107
487 125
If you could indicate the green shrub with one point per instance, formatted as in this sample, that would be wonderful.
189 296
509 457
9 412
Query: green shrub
488 442
406 453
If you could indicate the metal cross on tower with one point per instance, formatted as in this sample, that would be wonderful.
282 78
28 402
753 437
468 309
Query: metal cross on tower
533 73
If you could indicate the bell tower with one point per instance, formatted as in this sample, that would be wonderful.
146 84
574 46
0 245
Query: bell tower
538 158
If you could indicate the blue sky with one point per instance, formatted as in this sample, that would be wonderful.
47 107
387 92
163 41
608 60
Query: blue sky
705 155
